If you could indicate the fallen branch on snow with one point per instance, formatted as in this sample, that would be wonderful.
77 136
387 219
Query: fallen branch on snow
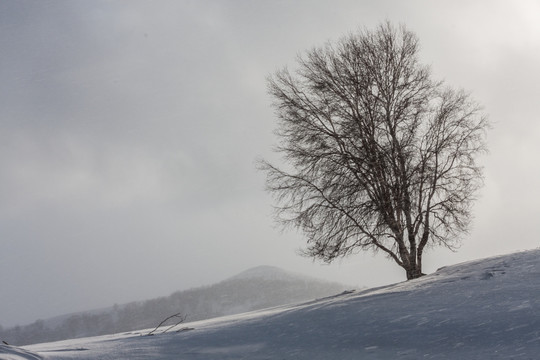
179 316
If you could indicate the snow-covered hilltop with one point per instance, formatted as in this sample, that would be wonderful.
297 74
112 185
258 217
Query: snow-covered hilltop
267 272
485 309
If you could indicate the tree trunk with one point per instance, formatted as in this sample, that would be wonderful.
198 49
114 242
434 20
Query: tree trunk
414 272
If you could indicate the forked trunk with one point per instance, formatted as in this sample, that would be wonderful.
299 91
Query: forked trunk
413 267
414 272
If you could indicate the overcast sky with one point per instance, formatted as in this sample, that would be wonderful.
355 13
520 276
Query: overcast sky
129 132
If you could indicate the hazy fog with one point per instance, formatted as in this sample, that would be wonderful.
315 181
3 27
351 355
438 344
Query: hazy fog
129 132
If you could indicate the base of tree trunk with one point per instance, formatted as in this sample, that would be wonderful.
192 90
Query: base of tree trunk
414 274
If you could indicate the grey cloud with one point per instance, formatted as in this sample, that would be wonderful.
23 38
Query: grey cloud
128 136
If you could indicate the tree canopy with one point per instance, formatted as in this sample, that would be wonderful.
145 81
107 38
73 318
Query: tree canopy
377 155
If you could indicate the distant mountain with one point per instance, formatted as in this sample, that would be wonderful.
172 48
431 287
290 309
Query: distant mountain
254 289
258 288
268 273
273 273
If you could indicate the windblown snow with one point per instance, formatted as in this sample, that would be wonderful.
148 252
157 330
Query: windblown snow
485 309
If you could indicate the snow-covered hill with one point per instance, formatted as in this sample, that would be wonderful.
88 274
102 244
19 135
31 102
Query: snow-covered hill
257 288
486 309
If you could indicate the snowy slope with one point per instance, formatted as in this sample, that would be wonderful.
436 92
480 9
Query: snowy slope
487 309
13 353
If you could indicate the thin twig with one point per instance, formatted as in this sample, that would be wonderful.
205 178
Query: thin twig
179 315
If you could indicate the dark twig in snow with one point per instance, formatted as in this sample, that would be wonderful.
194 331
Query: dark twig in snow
179 316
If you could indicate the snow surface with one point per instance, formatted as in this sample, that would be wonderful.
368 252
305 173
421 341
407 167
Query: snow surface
486 309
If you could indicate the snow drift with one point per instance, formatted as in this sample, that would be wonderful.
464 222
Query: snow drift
486 309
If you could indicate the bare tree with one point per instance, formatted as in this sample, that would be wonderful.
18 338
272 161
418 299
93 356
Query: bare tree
378 155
